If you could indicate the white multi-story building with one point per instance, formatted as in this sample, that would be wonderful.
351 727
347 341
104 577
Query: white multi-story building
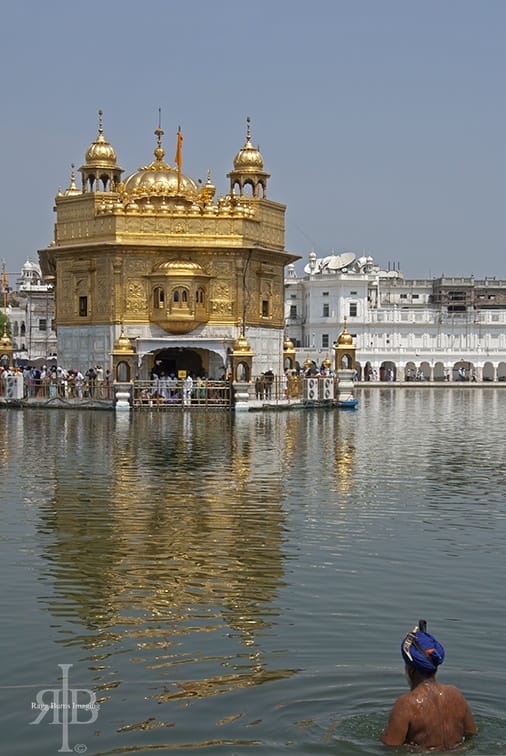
31 315
404 329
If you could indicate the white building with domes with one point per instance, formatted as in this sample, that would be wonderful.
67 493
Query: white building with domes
440 329
30 311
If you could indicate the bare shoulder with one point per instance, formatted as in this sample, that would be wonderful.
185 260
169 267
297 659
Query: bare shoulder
453 693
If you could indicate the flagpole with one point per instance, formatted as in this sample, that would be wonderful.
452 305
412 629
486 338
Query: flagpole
4 286
179 157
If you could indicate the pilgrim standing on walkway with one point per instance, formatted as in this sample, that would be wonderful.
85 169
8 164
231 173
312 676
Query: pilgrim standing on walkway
187 390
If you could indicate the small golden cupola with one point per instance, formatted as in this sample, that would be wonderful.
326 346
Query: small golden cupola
100 172
6 349
288 354
72 189
249 169
345 350
208 191
241 359
124 358
123 344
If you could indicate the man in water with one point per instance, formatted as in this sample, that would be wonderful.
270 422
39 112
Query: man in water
431 715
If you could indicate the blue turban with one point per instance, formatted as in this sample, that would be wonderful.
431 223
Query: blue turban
422 651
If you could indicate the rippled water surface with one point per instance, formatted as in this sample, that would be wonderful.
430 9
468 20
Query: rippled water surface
241 584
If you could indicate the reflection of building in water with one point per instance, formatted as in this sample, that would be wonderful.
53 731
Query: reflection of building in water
344 455
200 549
185 272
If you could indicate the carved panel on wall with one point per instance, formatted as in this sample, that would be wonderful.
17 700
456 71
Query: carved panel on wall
135 266
135 296
278 308
148 226
221 306
221 302
219 269
65 298
103 292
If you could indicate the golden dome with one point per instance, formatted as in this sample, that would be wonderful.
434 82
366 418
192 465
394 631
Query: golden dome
249 158
5 342
345 338
100 153
180 267
288 345
123 343
241 344
160 178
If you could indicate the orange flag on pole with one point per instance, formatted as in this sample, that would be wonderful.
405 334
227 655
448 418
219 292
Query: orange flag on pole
179 149
179 156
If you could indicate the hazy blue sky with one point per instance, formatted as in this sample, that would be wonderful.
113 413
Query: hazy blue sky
382 122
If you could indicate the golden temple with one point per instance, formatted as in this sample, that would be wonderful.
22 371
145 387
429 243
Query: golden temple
155 268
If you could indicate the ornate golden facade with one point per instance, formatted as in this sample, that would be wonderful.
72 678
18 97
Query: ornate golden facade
158 255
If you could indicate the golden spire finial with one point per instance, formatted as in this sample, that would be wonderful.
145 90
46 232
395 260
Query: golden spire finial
72 188
100 124
159 132
248 129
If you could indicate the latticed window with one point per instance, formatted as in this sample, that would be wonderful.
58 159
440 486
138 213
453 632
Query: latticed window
180 297
158 298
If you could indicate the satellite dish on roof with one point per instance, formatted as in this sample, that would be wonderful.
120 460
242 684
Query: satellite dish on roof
337 262
325 262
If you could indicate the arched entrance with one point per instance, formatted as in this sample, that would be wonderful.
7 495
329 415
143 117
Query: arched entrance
388 371
175 359
197 362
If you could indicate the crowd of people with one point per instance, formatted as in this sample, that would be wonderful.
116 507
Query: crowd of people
54 381
163 388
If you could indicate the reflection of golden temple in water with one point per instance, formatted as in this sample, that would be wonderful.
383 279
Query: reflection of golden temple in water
165 540
151 544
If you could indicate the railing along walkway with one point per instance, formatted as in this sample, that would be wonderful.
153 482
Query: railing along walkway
205 394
